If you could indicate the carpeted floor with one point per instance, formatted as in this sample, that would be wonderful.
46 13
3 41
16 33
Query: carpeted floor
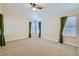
37 47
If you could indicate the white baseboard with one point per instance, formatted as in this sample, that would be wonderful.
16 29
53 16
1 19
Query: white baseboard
71 44
75 45
50 39
16 39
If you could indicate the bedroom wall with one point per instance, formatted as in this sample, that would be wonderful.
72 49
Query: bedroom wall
15 25
51 27
0 8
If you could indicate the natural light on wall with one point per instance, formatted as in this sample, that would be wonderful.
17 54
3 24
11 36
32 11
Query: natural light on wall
70 27
35 17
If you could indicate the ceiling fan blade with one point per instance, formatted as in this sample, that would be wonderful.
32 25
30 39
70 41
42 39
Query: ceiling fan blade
32 4
35 6
38 7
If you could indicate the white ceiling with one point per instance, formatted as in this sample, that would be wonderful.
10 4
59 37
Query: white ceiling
48 8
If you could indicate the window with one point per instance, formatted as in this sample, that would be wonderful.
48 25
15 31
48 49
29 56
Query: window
70 27
35 28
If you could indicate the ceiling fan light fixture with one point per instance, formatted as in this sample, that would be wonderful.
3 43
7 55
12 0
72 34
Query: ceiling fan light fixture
33 8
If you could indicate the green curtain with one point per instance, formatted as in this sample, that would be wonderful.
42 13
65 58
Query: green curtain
62 24
39 29
2 39
30 23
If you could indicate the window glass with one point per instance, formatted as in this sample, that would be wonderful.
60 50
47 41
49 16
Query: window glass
35 27
70 27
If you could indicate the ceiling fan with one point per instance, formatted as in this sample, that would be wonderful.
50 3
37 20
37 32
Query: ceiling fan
34 5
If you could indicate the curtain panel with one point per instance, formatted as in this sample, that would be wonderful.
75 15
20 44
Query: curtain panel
39 29
30 23
2 38
62 24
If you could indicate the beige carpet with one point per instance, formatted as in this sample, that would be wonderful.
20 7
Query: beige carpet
37 47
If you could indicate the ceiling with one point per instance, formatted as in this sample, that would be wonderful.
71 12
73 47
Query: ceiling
48 9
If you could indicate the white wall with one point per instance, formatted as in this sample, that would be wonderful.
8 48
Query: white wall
0 8
16 25
51 28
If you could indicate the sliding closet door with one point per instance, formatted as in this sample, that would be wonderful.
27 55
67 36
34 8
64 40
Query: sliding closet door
30 23
39 29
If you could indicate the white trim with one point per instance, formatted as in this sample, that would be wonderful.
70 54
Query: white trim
75 45
50 39
71 44
15 39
